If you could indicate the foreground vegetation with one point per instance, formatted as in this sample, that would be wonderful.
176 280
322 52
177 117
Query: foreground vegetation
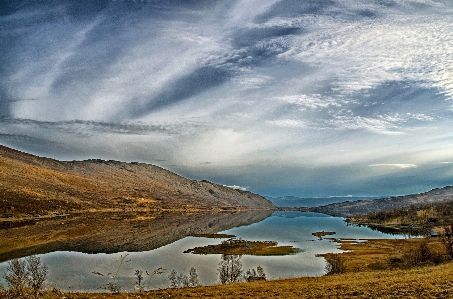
400 268
426 282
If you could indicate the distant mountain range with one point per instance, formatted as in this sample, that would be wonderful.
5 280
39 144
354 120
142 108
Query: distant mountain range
351 208
297 202
35 185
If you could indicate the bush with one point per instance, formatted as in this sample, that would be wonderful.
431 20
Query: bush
26 276
182 281
447 240
335 265
422 255
253 275
230 269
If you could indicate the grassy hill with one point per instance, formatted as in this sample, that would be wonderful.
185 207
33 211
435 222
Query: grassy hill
348 209
36 185
428 217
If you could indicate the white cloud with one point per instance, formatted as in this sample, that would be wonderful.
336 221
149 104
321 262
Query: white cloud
288 123
402 166
363 55
305 91
314 101
253 82
237 187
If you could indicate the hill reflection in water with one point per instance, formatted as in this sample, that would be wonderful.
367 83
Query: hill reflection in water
114 232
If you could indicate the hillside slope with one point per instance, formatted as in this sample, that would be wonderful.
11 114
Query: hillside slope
347 209
31 184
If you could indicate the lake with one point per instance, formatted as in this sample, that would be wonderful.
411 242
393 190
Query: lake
73 271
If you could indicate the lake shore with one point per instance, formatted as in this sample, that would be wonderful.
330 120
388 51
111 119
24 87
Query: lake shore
362 279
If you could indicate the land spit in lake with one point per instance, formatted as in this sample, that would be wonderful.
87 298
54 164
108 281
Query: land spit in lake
233 246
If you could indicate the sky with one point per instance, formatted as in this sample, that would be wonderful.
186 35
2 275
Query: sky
290 97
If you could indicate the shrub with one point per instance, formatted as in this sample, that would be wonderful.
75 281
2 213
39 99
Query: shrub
335 265
17 276
37 273
230 269
258 274
422 255
26 275
447 240
182 281
114 287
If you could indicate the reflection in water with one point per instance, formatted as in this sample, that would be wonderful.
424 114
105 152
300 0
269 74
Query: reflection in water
113 232
409 232
159 240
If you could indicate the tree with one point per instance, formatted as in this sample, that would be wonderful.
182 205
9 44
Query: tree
230 269
179 280
260 271
17 276
258 274
29 273
37 273
139 279
193 278
447 239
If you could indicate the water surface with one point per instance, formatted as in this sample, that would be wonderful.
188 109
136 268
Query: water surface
71 270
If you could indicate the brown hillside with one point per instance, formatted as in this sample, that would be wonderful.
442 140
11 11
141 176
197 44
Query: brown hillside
348 208
31 184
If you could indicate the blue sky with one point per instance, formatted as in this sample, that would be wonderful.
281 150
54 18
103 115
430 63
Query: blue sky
305 98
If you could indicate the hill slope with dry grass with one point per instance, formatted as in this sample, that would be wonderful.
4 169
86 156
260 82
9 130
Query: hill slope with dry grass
351 208
31 184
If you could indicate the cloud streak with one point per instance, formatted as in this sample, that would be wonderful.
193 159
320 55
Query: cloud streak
317 96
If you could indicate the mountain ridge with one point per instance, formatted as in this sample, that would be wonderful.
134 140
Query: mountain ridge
348 208
36 185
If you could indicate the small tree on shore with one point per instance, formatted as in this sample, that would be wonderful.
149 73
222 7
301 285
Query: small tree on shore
37 273
179 280
17 277
27 274
255 274
230 269
447 240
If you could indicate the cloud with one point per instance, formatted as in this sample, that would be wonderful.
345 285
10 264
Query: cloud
238 187
402 166
288 123
311 101
276 95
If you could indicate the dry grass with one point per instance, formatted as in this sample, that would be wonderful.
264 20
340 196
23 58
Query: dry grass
427 282
34 185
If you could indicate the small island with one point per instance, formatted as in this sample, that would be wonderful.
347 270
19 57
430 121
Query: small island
322 234
240 247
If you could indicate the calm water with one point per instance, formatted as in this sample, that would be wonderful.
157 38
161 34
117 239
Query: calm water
73 271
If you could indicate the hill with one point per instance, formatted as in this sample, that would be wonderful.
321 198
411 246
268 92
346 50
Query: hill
348 208
35 185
